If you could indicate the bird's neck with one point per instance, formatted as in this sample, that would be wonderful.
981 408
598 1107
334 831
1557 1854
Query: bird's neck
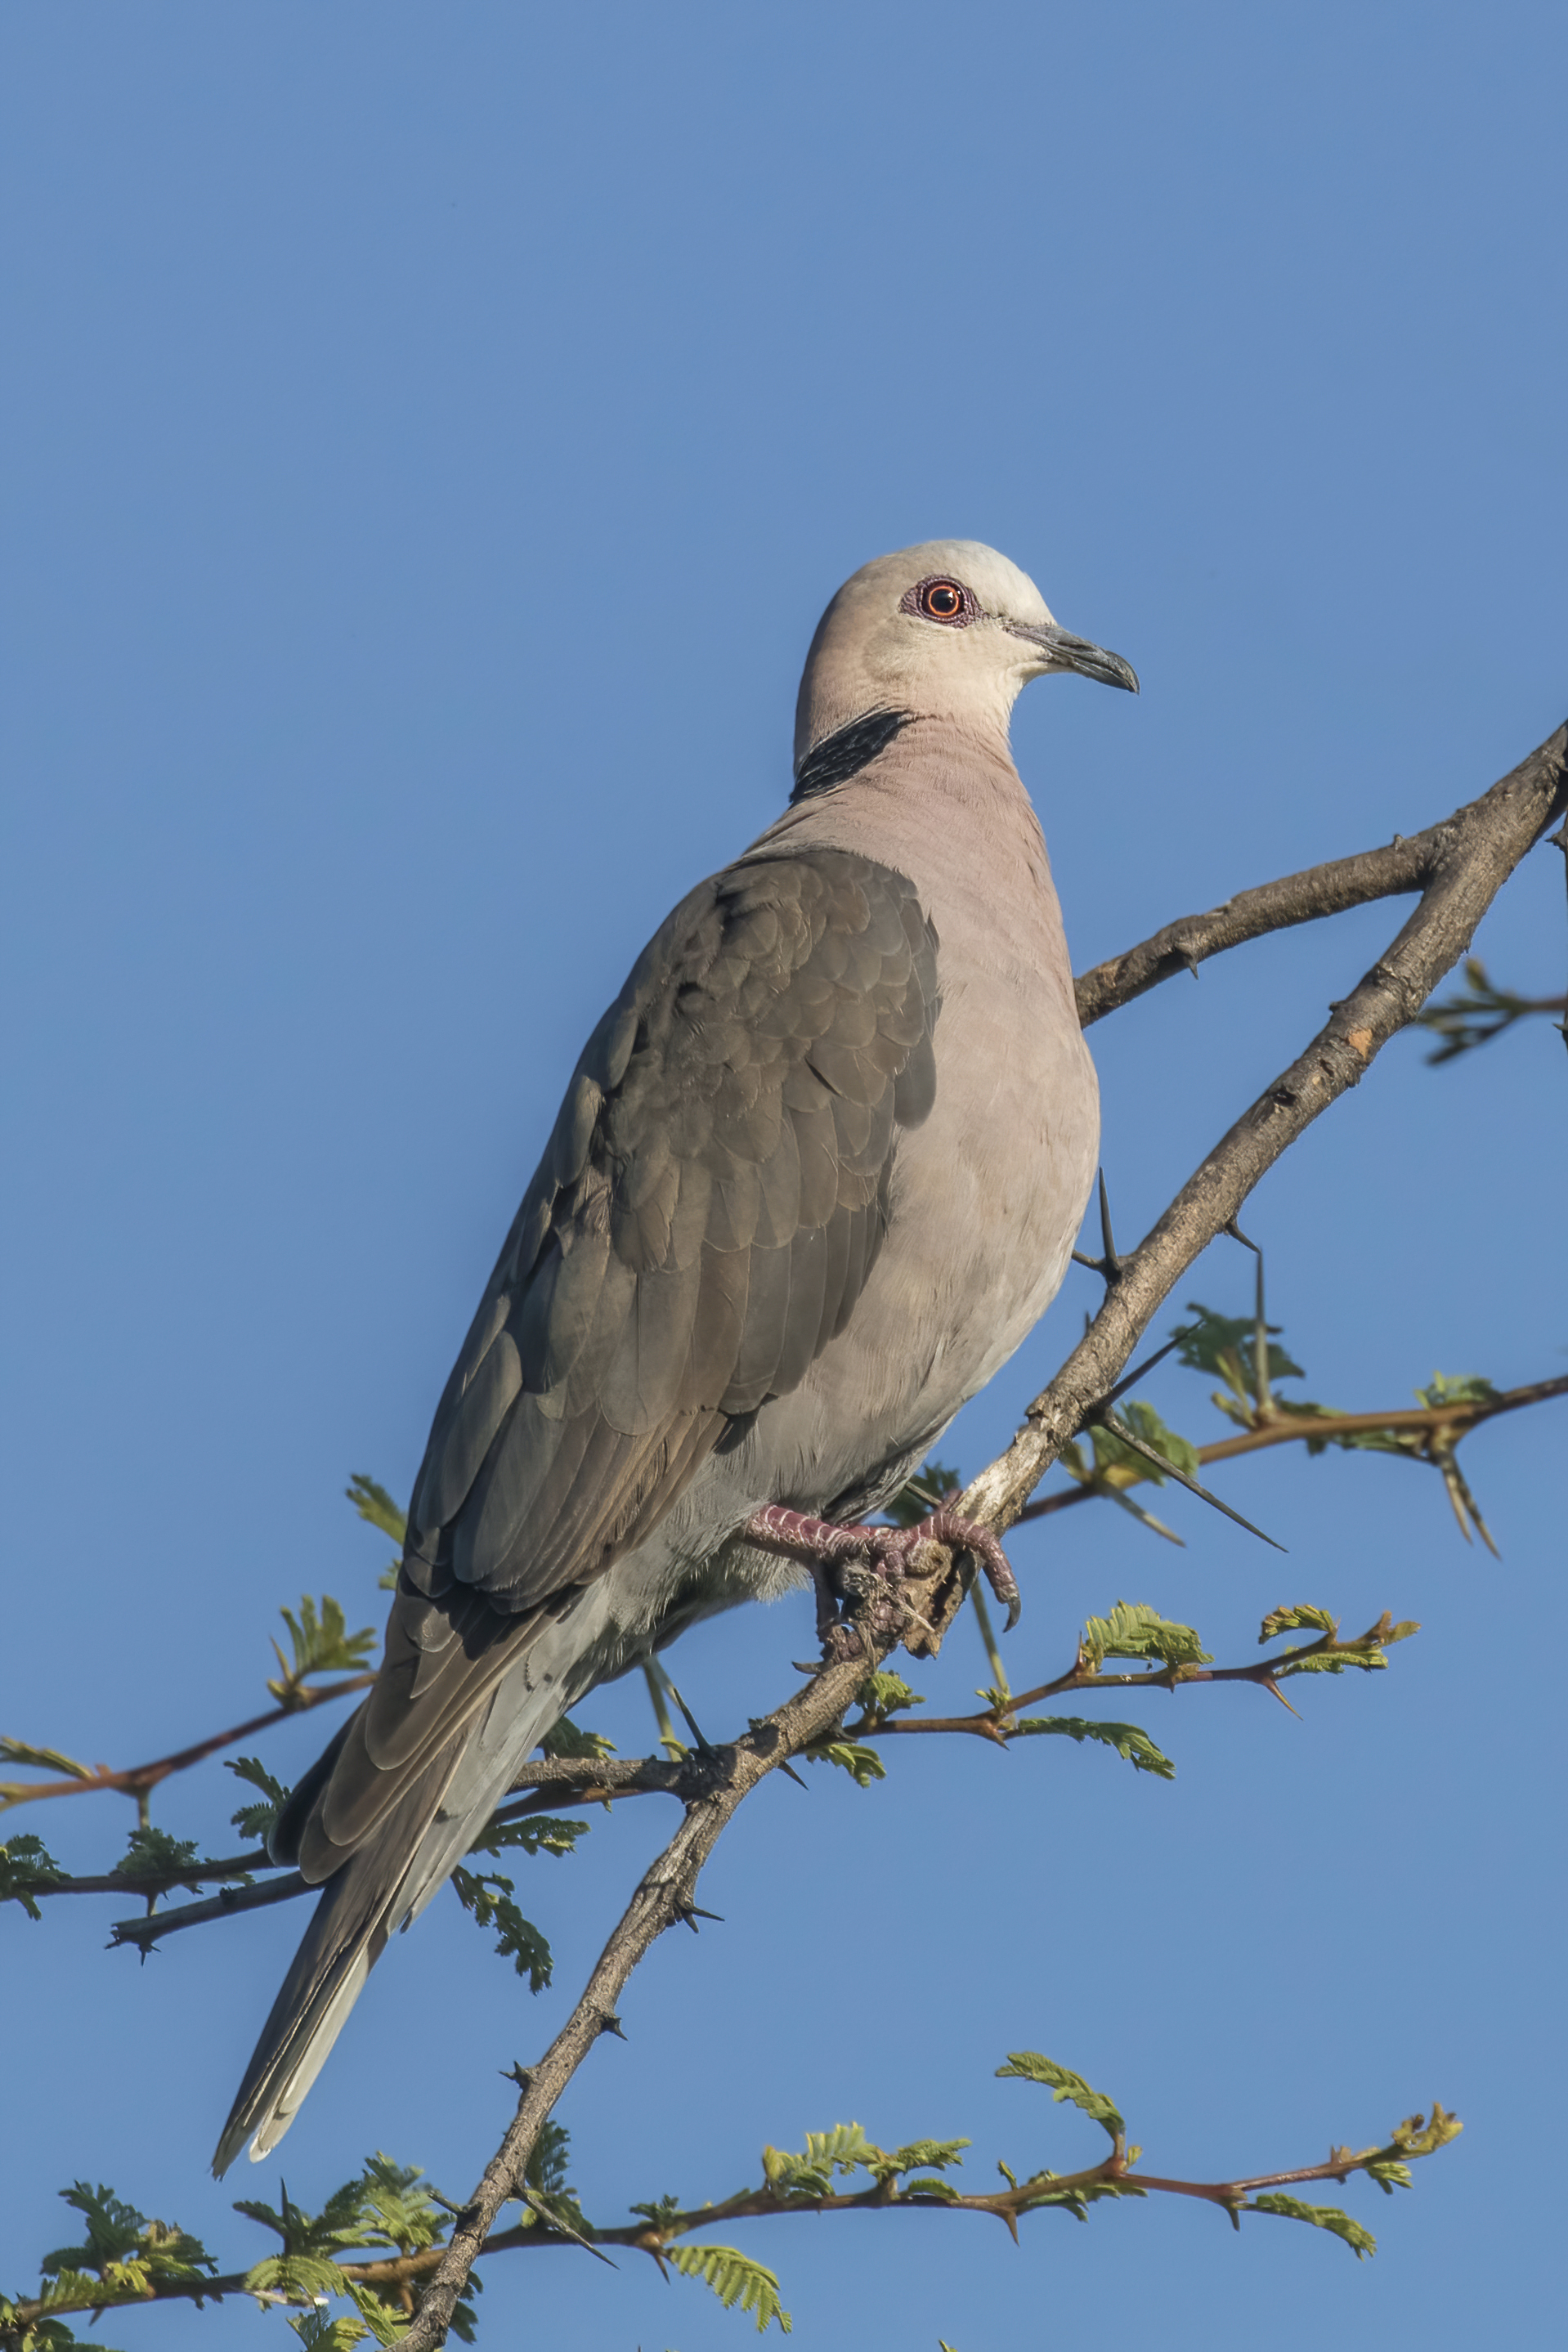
944 803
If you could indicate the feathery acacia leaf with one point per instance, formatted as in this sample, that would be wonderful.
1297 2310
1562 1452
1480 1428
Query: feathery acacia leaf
1030 2067
852 1755
565 1739
321 1644
534 1832
1133 1631
25 1864
1111 1452
1128 1741
1296 1617
1226 1346
883 1694
373 1502
1356 2235
735 2279
319 2334
257 1821
487 1894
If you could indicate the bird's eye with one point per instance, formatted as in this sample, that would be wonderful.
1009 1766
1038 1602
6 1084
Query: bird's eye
941 600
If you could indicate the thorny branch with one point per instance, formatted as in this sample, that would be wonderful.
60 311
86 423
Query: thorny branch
1459 867
139 1780
554 1781
1443 1423
781 2194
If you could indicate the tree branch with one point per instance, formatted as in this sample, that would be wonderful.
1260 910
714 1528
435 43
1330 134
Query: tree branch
1287 1427
136 1779
1405 865
1459 866
1114 2176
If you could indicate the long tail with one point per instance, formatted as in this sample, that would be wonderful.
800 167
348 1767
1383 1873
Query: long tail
405 1860
357 1912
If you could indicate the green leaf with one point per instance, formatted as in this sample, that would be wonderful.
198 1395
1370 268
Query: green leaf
1296 1617
120 2239
552 2197
534 1832
1479 1013
1390 2176
44 2335
319 2334
1132 1631
339 2223
735 2279
298 2278
1357 2237
1366 1651
565 1739
257 1821
1417 2136
47 1759
396 2208
374 1503
882 1695
662 2215
90 2291
1135 1746
1111 1452
152 1853
852 1755
321 1644
1463 1387
487 1894
386 2324
1029 2067
1225 1345
938 2154
27 1863
844 2148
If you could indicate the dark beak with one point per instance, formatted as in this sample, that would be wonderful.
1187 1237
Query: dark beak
1068 652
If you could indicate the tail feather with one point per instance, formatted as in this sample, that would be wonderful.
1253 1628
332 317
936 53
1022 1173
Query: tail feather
357 1912
403 1863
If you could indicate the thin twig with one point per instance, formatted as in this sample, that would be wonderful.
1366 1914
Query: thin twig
1115 2175
1460 867
1288 1427
135 1780
145 1933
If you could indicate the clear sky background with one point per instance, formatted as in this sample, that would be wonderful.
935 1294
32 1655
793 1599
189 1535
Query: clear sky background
431 435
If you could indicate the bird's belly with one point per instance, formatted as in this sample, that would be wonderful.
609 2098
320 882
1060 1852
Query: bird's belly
987 1198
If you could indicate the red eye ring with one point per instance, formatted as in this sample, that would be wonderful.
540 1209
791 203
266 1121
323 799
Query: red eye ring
941 599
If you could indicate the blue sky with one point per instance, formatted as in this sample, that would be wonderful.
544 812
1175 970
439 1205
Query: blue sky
432 435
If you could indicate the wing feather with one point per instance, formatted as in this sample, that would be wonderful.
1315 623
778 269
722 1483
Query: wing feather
707 1211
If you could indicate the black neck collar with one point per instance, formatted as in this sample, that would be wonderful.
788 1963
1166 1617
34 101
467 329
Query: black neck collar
844 752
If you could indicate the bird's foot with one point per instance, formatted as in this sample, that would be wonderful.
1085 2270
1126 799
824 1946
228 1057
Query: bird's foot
842 1559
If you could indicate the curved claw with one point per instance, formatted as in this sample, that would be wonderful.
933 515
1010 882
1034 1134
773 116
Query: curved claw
824 1546
967 1535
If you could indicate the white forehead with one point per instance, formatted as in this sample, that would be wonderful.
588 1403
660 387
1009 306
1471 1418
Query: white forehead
997 585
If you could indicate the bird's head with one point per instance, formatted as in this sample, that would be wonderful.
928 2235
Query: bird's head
949 629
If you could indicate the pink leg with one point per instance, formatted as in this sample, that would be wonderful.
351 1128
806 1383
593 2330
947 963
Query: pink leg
887 1550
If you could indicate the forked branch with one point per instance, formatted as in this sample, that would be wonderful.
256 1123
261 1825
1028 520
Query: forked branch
1459 867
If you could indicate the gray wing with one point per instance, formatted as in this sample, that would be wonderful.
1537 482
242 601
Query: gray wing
705 1216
